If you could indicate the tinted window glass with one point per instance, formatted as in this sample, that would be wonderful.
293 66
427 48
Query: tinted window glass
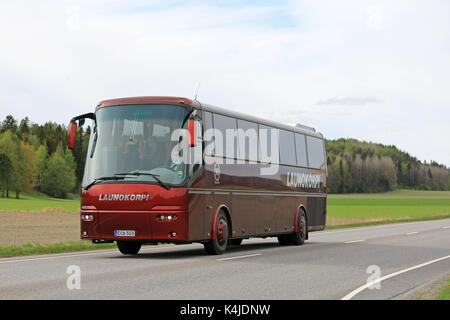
268 149
316 158
135 138
287 148
208 124
247 140
222 123
300 148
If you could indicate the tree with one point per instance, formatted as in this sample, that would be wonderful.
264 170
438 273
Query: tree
9 124
10 145
29 167
24 129
58 177
41 161
5 171
70 160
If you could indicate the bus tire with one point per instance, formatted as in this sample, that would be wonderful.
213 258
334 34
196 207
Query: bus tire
236 242
283 240
299 237
129 247
219 244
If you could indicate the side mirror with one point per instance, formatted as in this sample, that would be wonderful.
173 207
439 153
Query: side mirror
72 135
192 137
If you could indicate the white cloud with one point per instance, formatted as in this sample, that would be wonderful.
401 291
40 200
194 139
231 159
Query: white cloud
58 59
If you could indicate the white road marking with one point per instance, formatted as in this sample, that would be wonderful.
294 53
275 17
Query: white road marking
410 233
369 284
354 241
239 257
447 227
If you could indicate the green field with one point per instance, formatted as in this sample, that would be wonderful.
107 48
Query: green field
402 194
397 205
39 202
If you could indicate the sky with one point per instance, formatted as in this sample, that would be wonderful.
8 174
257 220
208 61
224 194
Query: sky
372 70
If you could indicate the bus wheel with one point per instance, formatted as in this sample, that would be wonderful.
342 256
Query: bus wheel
219 244
129 247
299 237
283 240
236 242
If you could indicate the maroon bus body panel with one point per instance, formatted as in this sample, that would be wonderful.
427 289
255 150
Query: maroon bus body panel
257 205
261 205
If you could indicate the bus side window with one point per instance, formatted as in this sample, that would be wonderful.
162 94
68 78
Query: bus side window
300 149
247 140
316 157
268 154
287 157
222 124
207 126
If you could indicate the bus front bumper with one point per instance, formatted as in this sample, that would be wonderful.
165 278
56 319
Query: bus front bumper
165 226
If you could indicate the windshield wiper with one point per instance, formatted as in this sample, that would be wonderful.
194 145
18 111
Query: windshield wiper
140 173
97 180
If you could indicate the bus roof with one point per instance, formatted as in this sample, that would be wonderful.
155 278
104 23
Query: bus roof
207 107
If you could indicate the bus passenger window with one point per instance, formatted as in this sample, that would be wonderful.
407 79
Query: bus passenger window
316 157
207 126
268 148
300 149
287 156
223 123
247 140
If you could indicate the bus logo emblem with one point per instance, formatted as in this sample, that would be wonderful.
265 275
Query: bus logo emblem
216 173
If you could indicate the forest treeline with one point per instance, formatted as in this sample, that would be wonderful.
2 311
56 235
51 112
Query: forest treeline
355 166
34 156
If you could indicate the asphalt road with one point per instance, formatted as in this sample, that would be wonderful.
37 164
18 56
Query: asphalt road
331 265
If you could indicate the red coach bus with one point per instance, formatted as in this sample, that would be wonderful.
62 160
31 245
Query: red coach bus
134 193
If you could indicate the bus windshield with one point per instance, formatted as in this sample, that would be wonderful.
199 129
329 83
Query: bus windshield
135 139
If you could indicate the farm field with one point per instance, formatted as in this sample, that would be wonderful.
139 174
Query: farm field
397 205
38 219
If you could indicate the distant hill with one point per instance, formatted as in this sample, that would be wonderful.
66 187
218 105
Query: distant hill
358 166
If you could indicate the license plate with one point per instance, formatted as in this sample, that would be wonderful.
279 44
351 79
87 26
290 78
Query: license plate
124 233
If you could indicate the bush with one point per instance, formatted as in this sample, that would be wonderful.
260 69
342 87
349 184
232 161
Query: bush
58 177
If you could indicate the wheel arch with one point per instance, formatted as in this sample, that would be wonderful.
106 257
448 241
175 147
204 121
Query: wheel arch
227 212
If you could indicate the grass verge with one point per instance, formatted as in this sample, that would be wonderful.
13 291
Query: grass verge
445 295
438 290
34 249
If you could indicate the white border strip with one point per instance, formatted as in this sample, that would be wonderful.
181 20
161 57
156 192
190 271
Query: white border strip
354 241
369 284
239 257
